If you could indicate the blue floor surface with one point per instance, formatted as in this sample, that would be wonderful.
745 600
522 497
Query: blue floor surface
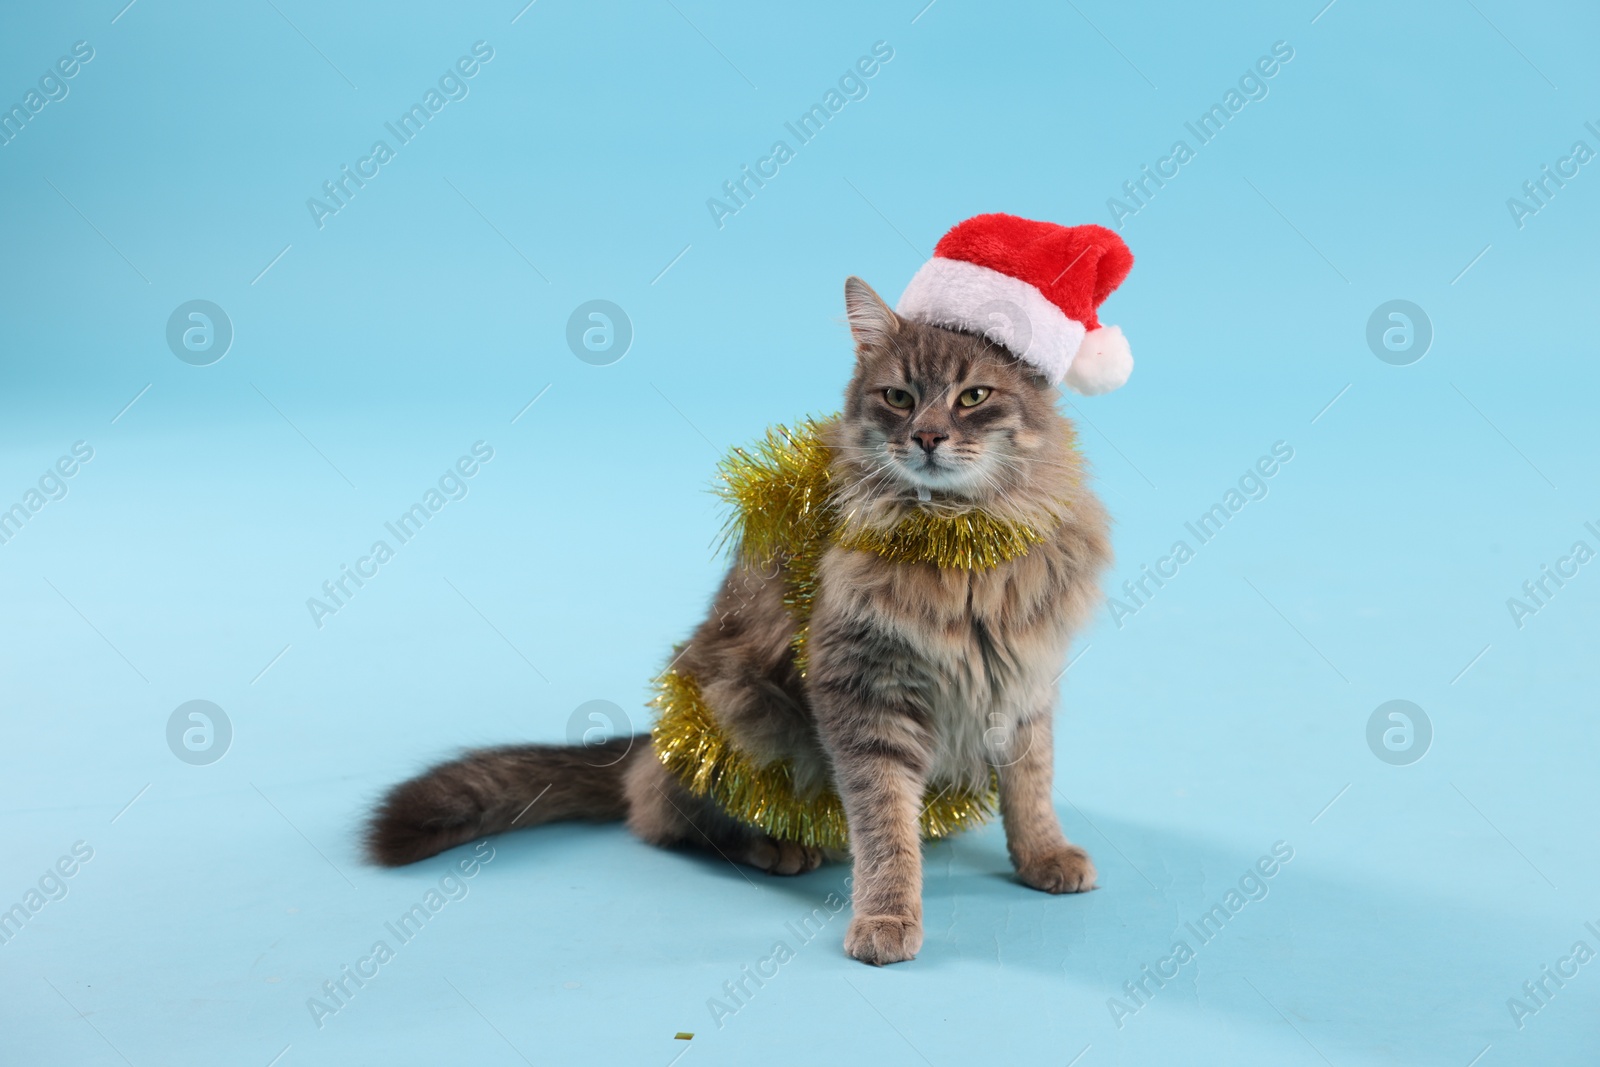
1434 895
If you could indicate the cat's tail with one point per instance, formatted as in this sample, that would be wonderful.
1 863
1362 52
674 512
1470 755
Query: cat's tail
491 790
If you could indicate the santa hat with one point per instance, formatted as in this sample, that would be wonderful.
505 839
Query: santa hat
1034 288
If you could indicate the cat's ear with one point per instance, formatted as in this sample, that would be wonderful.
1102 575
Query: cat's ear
872 322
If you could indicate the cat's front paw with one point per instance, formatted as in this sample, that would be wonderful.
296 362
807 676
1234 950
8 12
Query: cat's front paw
1065 870
880 939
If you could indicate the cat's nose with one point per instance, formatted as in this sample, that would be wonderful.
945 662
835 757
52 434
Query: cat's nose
929 439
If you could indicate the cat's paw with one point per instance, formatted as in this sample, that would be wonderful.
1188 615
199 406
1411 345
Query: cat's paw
880 939
782 857
1065 870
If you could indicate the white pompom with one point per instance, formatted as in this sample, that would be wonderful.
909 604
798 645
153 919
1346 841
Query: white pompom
1102 364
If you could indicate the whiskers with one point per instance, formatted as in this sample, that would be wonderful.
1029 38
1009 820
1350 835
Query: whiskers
881 481
875 467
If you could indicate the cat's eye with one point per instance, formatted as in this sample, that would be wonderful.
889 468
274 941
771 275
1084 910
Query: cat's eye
899 398
973 397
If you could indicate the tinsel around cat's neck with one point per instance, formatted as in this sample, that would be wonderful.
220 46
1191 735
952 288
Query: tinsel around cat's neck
788 503
786 513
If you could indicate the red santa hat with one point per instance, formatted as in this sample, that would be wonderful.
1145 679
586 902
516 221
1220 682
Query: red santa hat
1033 287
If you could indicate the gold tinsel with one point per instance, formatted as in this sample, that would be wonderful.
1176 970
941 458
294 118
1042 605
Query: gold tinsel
691 745
970 542
781 512
783 515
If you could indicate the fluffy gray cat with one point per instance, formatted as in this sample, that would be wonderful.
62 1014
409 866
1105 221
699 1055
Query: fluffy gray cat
917 679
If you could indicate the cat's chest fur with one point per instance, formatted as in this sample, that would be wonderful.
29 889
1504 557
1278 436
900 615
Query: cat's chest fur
981 649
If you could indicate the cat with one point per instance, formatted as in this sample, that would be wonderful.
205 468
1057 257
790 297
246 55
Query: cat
916 679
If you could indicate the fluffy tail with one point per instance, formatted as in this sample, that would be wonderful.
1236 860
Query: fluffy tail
492 790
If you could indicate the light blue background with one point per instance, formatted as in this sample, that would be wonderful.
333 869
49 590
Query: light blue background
1223 717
